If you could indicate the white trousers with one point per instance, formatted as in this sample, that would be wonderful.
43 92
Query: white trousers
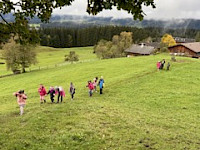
21 106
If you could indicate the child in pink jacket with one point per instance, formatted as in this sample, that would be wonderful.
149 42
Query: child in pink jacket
158 65
21 100
61 93
42 92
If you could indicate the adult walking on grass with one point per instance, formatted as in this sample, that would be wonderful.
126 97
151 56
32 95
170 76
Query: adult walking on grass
42 92
90 87
61 93
72 90
101 84
21 100
52 93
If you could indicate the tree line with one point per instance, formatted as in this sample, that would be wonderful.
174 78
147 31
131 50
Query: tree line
80 37
76 37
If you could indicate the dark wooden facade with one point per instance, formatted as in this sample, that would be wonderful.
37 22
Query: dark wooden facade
183 51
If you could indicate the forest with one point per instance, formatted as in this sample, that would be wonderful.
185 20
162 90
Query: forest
62 37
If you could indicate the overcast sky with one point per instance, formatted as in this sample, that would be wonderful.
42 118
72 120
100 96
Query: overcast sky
165 9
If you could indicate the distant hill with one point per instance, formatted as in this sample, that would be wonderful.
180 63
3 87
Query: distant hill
85 21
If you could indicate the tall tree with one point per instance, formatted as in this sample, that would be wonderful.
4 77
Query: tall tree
25 9
18 56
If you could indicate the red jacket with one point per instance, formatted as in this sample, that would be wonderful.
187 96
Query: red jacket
42 91
91 86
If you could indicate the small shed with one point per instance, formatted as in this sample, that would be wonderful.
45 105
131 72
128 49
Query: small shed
138 50
186 49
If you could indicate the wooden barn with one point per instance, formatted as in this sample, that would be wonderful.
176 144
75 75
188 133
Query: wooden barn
138 50
186 49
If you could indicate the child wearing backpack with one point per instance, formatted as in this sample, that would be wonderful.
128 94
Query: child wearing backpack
72 90
21 100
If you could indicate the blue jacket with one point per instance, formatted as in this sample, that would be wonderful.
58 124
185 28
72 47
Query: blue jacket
101 81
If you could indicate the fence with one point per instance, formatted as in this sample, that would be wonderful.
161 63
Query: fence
48 67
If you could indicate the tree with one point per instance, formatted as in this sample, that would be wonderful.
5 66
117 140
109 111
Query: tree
26 9
168 40
18 56
197 37
102 49
115 48
71 57
125 41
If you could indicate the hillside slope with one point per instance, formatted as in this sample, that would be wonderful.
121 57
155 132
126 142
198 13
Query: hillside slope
141 108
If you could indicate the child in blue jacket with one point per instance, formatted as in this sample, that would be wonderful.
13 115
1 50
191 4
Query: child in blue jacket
101 83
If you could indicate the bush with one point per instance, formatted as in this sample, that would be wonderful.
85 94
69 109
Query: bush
71 57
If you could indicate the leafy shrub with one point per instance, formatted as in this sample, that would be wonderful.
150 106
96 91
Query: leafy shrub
71 57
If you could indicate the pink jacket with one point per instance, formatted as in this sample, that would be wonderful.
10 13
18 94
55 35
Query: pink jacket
21 98
62 92
42 91
158 65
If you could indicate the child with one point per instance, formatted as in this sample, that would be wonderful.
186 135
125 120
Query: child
158 65
101 83
168 65
21 100
72 90
90 87
61 94
95 83
42 92
52 93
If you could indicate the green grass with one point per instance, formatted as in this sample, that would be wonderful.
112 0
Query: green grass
141 108
50 57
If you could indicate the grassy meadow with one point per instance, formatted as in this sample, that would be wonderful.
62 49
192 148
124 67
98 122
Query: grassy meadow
48 57
141 108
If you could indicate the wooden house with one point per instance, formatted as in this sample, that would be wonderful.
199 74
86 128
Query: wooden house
186 49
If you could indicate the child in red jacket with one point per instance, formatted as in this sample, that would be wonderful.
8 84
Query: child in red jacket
42 92
90 87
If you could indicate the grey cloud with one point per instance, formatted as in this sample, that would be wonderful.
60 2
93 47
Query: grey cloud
165 9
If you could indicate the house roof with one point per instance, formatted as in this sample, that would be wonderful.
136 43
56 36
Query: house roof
183 40
195 46
156 45
140 49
